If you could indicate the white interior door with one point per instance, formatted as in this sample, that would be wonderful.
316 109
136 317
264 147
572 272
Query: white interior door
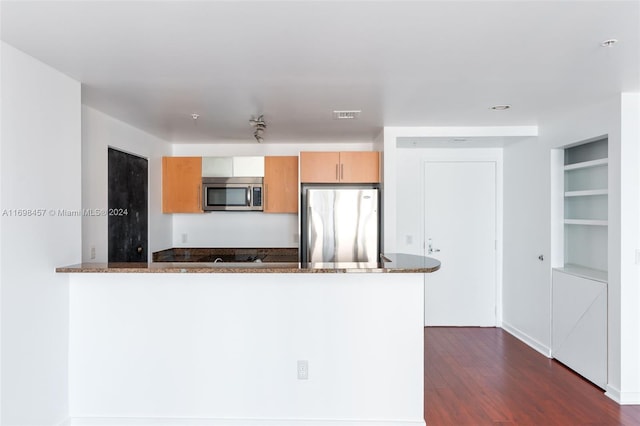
460 221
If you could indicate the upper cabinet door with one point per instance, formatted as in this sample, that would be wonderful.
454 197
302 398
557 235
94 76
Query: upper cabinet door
340 167
360 167
217 166
248 167
181 185
281 184
320 167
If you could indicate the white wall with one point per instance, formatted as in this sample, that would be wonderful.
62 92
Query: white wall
528 229
223 348
527 221
99 132
1 221
629 251
244 229
40 169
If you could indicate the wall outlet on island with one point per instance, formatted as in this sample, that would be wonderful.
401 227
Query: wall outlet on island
303 369
185 238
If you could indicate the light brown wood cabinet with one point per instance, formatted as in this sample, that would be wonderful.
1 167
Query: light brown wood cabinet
281 184
181 184
342 167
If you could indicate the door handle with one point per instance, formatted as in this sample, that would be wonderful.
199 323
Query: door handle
430 249
265 196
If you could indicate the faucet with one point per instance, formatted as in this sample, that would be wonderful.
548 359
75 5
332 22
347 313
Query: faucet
218 259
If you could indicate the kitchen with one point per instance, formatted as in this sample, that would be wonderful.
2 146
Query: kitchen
76 135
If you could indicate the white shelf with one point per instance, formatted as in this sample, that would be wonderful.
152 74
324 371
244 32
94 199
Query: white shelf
586 193
584 272
589 222
587 164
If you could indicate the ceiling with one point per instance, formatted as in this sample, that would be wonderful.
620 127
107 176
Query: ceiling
416 63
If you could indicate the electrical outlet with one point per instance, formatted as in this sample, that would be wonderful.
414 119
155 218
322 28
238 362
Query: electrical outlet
184 238
295 238
92 252
303 369
409 239
637 256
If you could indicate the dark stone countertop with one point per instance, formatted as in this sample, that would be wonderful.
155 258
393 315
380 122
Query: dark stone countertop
391 263
267 255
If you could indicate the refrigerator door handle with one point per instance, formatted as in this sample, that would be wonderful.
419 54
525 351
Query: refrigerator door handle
308 236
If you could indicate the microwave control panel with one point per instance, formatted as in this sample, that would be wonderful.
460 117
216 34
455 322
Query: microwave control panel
257 197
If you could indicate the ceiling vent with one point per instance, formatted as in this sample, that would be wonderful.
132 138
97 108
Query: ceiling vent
346 115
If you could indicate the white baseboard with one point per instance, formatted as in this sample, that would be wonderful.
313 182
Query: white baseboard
524 337
623 398
159 421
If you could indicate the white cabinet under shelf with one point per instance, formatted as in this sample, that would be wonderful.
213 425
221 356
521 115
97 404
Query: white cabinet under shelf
579 326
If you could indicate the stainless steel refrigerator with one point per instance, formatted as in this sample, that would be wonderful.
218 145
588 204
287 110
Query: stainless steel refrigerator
340 224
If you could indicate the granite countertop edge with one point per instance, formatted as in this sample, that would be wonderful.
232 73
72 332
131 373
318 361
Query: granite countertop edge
93 268
400 263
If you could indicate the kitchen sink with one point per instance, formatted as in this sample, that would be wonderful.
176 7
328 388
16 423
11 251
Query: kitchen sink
241 258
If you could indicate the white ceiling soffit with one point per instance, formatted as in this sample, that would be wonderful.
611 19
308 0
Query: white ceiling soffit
413 63
458 142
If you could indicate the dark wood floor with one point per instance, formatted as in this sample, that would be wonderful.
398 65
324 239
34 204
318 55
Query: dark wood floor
485 376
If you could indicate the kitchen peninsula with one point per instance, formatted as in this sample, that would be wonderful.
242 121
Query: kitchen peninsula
250 343
390 263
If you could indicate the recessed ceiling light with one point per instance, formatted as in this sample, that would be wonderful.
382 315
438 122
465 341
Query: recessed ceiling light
609 43
500 107
195 116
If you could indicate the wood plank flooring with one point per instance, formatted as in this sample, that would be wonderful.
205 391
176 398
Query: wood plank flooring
485 376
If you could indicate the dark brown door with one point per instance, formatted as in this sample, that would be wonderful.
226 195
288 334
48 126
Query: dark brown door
127 201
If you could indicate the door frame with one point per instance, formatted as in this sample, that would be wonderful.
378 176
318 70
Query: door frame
461 155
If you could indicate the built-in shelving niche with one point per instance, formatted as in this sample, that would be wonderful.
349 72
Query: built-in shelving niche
579 278
586 191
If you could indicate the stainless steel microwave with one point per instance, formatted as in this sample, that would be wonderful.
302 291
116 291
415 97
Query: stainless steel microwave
234 193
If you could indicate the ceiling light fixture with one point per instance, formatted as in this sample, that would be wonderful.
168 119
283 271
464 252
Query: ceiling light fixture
260 126
609 43
195 116
501 107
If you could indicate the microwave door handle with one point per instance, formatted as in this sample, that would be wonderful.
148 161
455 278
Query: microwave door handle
249 196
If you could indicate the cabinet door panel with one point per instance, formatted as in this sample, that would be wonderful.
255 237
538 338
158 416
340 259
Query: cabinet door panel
319 167
360 167
181 184
281 184
579 325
